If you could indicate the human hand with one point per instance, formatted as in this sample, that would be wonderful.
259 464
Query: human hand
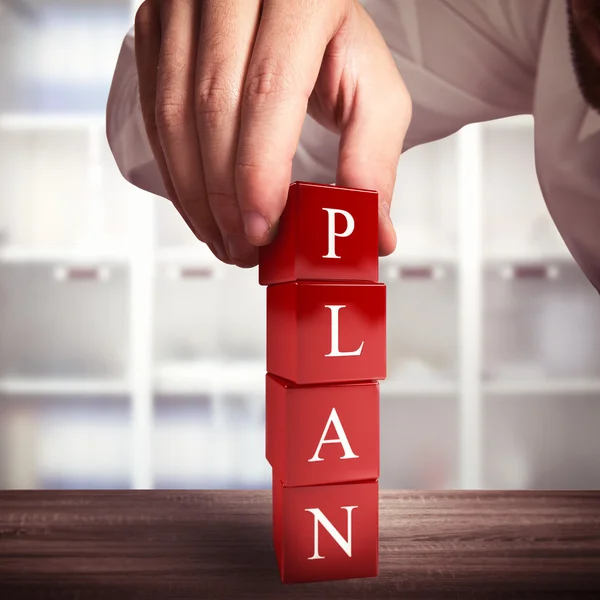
225 86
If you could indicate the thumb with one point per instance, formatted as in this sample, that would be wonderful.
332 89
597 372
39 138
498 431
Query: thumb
374 130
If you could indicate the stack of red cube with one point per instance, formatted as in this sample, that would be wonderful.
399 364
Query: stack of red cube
326 351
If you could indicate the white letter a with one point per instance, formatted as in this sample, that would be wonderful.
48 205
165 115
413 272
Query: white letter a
341 439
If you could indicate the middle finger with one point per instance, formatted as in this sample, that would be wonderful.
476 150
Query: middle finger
228 30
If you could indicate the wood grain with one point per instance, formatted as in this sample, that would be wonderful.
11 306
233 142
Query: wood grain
205 544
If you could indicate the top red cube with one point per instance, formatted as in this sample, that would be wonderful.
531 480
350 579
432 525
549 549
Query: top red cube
325 233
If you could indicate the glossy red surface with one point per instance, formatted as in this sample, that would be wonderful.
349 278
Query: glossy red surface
322 434
325 233
303 345
352 510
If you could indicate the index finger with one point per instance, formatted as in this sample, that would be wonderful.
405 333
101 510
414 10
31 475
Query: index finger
283 70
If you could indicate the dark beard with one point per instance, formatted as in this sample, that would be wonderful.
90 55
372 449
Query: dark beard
587 68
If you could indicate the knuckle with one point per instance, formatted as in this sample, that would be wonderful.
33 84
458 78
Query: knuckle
221 200
226 211
253 171
268 84
170 113
252 178
207 232
172 101
213 101
245 169
174 63
211 236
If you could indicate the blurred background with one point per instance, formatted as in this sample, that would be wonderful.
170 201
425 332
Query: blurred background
128 360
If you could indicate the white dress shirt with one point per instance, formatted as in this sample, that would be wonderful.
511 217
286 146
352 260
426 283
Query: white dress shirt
463 61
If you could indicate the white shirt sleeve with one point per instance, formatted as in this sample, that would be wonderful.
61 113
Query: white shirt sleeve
125 128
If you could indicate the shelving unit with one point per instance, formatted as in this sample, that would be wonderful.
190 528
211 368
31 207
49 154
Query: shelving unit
127 333
66 269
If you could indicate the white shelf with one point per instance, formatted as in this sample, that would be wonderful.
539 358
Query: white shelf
448 258
398 387
528 258
190 263
256 386
211 377
418 258
50 122
249 378
544 387
25 386
40 255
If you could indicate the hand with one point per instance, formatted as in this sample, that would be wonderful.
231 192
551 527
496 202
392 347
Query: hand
225 86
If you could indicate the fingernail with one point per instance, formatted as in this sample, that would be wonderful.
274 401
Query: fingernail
239 247
256 226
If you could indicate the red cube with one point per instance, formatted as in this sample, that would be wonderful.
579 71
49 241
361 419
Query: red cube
326 332
326 532
322 434
325 233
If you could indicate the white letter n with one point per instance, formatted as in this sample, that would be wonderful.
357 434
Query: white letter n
345 545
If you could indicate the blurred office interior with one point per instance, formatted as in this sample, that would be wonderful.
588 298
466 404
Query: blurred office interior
131 358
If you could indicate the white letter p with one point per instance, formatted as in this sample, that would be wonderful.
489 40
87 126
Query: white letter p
331 233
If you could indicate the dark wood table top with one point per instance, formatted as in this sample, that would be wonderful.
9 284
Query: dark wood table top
205 544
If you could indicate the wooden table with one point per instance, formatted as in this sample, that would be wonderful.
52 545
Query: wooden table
196 545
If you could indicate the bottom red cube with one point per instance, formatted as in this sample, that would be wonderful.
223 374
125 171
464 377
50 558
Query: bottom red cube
326 532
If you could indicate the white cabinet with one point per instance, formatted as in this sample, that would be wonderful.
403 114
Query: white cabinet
542 440
216 441
64 321
419 441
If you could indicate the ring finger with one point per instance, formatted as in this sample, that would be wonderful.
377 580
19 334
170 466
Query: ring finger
175 117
